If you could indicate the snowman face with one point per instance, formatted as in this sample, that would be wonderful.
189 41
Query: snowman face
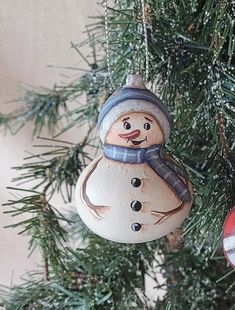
135 129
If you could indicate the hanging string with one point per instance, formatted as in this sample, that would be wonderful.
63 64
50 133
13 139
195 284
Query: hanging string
110 73
144 24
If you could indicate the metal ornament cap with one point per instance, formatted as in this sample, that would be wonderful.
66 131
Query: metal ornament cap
135 81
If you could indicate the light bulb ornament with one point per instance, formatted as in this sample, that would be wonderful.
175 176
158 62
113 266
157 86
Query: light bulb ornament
133 192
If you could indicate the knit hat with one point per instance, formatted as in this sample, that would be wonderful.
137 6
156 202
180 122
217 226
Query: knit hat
133 97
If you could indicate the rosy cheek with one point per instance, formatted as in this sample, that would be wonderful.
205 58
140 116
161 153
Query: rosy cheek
149 135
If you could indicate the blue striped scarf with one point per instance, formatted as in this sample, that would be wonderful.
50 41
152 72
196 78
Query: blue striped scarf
154 156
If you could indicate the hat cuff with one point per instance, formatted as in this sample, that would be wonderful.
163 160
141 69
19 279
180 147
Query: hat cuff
134 106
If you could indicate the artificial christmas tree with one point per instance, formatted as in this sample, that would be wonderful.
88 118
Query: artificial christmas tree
191 55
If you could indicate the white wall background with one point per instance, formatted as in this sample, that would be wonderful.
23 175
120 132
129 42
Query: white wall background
33 35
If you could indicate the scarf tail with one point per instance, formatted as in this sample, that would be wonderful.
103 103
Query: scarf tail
173 166
171 178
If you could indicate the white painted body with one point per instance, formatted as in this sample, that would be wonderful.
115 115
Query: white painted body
110 185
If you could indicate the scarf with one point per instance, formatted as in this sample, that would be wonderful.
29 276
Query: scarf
155 158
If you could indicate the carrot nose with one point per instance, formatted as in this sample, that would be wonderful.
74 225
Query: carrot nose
130 135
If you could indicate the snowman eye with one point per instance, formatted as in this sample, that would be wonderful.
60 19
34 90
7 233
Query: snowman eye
127 125
147 126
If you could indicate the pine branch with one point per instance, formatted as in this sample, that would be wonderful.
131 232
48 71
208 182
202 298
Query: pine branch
47 108
43 226
61 165
41 106
223 140
41 295
43 202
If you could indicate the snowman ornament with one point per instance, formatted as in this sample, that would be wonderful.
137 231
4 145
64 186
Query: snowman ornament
133 192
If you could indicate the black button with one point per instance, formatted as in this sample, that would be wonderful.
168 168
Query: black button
135 182
136 226
136 205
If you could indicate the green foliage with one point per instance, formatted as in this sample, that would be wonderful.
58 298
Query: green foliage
41 106
192 67
61 165
42 295
115 269
43 226
192 282
103 275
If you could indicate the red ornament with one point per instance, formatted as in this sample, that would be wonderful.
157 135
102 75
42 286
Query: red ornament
229 237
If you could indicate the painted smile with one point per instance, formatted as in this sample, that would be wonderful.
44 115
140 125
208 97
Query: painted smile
138 142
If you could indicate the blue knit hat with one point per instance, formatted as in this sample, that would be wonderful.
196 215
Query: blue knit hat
133 97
